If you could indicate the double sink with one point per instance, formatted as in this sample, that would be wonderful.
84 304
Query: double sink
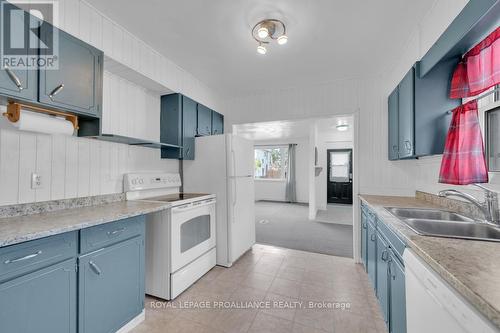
441 223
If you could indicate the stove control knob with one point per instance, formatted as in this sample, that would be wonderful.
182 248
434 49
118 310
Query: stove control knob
141 181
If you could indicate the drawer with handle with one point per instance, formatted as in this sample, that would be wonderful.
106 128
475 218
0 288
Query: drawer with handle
100 236
20 259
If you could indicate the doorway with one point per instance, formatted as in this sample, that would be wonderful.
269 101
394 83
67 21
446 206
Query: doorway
339 179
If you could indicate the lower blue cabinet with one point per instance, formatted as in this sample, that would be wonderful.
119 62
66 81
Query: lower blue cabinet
111 286
372 254
364 232
382 276
397 313
42 301
381 252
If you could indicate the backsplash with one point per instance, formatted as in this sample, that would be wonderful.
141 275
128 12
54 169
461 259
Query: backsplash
55 205
459 206
70 167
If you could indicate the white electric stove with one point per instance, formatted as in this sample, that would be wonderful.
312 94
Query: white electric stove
181 240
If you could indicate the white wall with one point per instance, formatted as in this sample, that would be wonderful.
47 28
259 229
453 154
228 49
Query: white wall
376 174
275 190
331 139
70 167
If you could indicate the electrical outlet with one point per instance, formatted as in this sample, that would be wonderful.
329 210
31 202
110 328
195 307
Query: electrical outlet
36 181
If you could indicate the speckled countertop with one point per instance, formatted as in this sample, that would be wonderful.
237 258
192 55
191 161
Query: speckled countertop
20 229
471 267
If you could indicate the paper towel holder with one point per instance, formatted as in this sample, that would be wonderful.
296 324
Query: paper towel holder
14 112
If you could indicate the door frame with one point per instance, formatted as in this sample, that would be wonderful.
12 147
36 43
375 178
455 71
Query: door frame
328 171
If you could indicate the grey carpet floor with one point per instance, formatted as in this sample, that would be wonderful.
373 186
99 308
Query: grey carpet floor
336 213
287 225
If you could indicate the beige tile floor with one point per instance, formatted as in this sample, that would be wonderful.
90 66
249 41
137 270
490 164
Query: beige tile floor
262 292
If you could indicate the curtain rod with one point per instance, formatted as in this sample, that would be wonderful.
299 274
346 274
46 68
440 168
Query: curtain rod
497 89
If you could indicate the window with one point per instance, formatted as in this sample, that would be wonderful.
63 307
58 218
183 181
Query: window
489 117
271 162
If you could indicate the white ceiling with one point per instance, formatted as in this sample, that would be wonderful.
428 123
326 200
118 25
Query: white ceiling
289 129
328 39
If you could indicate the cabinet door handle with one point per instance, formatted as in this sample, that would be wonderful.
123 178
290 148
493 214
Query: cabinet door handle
56 91
95 268
408 145
364 225
385 255
187 152
14 78
29 256
395 148
372 237
117 231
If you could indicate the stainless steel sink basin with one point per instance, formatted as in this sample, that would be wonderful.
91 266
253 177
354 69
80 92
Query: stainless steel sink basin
428 214
453 229
441 223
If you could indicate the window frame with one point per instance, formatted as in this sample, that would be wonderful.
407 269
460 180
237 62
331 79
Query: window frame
284 172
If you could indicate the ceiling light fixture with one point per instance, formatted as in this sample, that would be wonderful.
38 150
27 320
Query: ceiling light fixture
342 126
261 49
268 30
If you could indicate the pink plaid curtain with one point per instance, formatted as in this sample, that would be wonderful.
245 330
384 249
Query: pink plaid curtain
463 160
479 68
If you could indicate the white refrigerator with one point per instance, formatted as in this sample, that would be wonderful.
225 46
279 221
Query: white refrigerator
224 165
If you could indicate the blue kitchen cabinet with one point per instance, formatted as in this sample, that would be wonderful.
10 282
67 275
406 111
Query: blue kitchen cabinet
16 82
189 127
41 301
111 286
178 126
385 269
394 125
397 301
382 276
372 254
217 123
76 85
204 121
364 238
406 112
418 112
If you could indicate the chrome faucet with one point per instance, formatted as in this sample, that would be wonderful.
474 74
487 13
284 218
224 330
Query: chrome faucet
489 207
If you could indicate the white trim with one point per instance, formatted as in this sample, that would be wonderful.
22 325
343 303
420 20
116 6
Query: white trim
133 323
356 229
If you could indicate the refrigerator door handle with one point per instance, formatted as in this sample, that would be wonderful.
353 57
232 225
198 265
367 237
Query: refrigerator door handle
235 195
233 156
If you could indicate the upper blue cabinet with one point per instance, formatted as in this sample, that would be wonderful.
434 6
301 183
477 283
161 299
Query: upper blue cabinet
418 108
217 123
419 114
181 120
77 83
204 122
74 84
18 83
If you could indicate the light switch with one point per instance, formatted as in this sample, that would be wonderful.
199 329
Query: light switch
36 181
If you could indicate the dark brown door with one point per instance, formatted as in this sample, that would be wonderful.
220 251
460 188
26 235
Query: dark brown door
339 178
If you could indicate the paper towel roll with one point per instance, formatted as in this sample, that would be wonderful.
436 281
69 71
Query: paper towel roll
36 122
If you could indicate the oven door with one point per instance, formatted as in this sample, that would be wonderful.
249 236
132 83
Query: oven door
193 232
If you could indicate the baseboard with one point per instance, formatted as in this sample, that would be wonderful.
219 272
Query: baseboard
133 323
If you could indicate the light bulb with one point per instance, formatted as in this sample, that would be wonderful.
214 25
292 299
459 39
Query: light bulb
261 49
282 39
262 32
